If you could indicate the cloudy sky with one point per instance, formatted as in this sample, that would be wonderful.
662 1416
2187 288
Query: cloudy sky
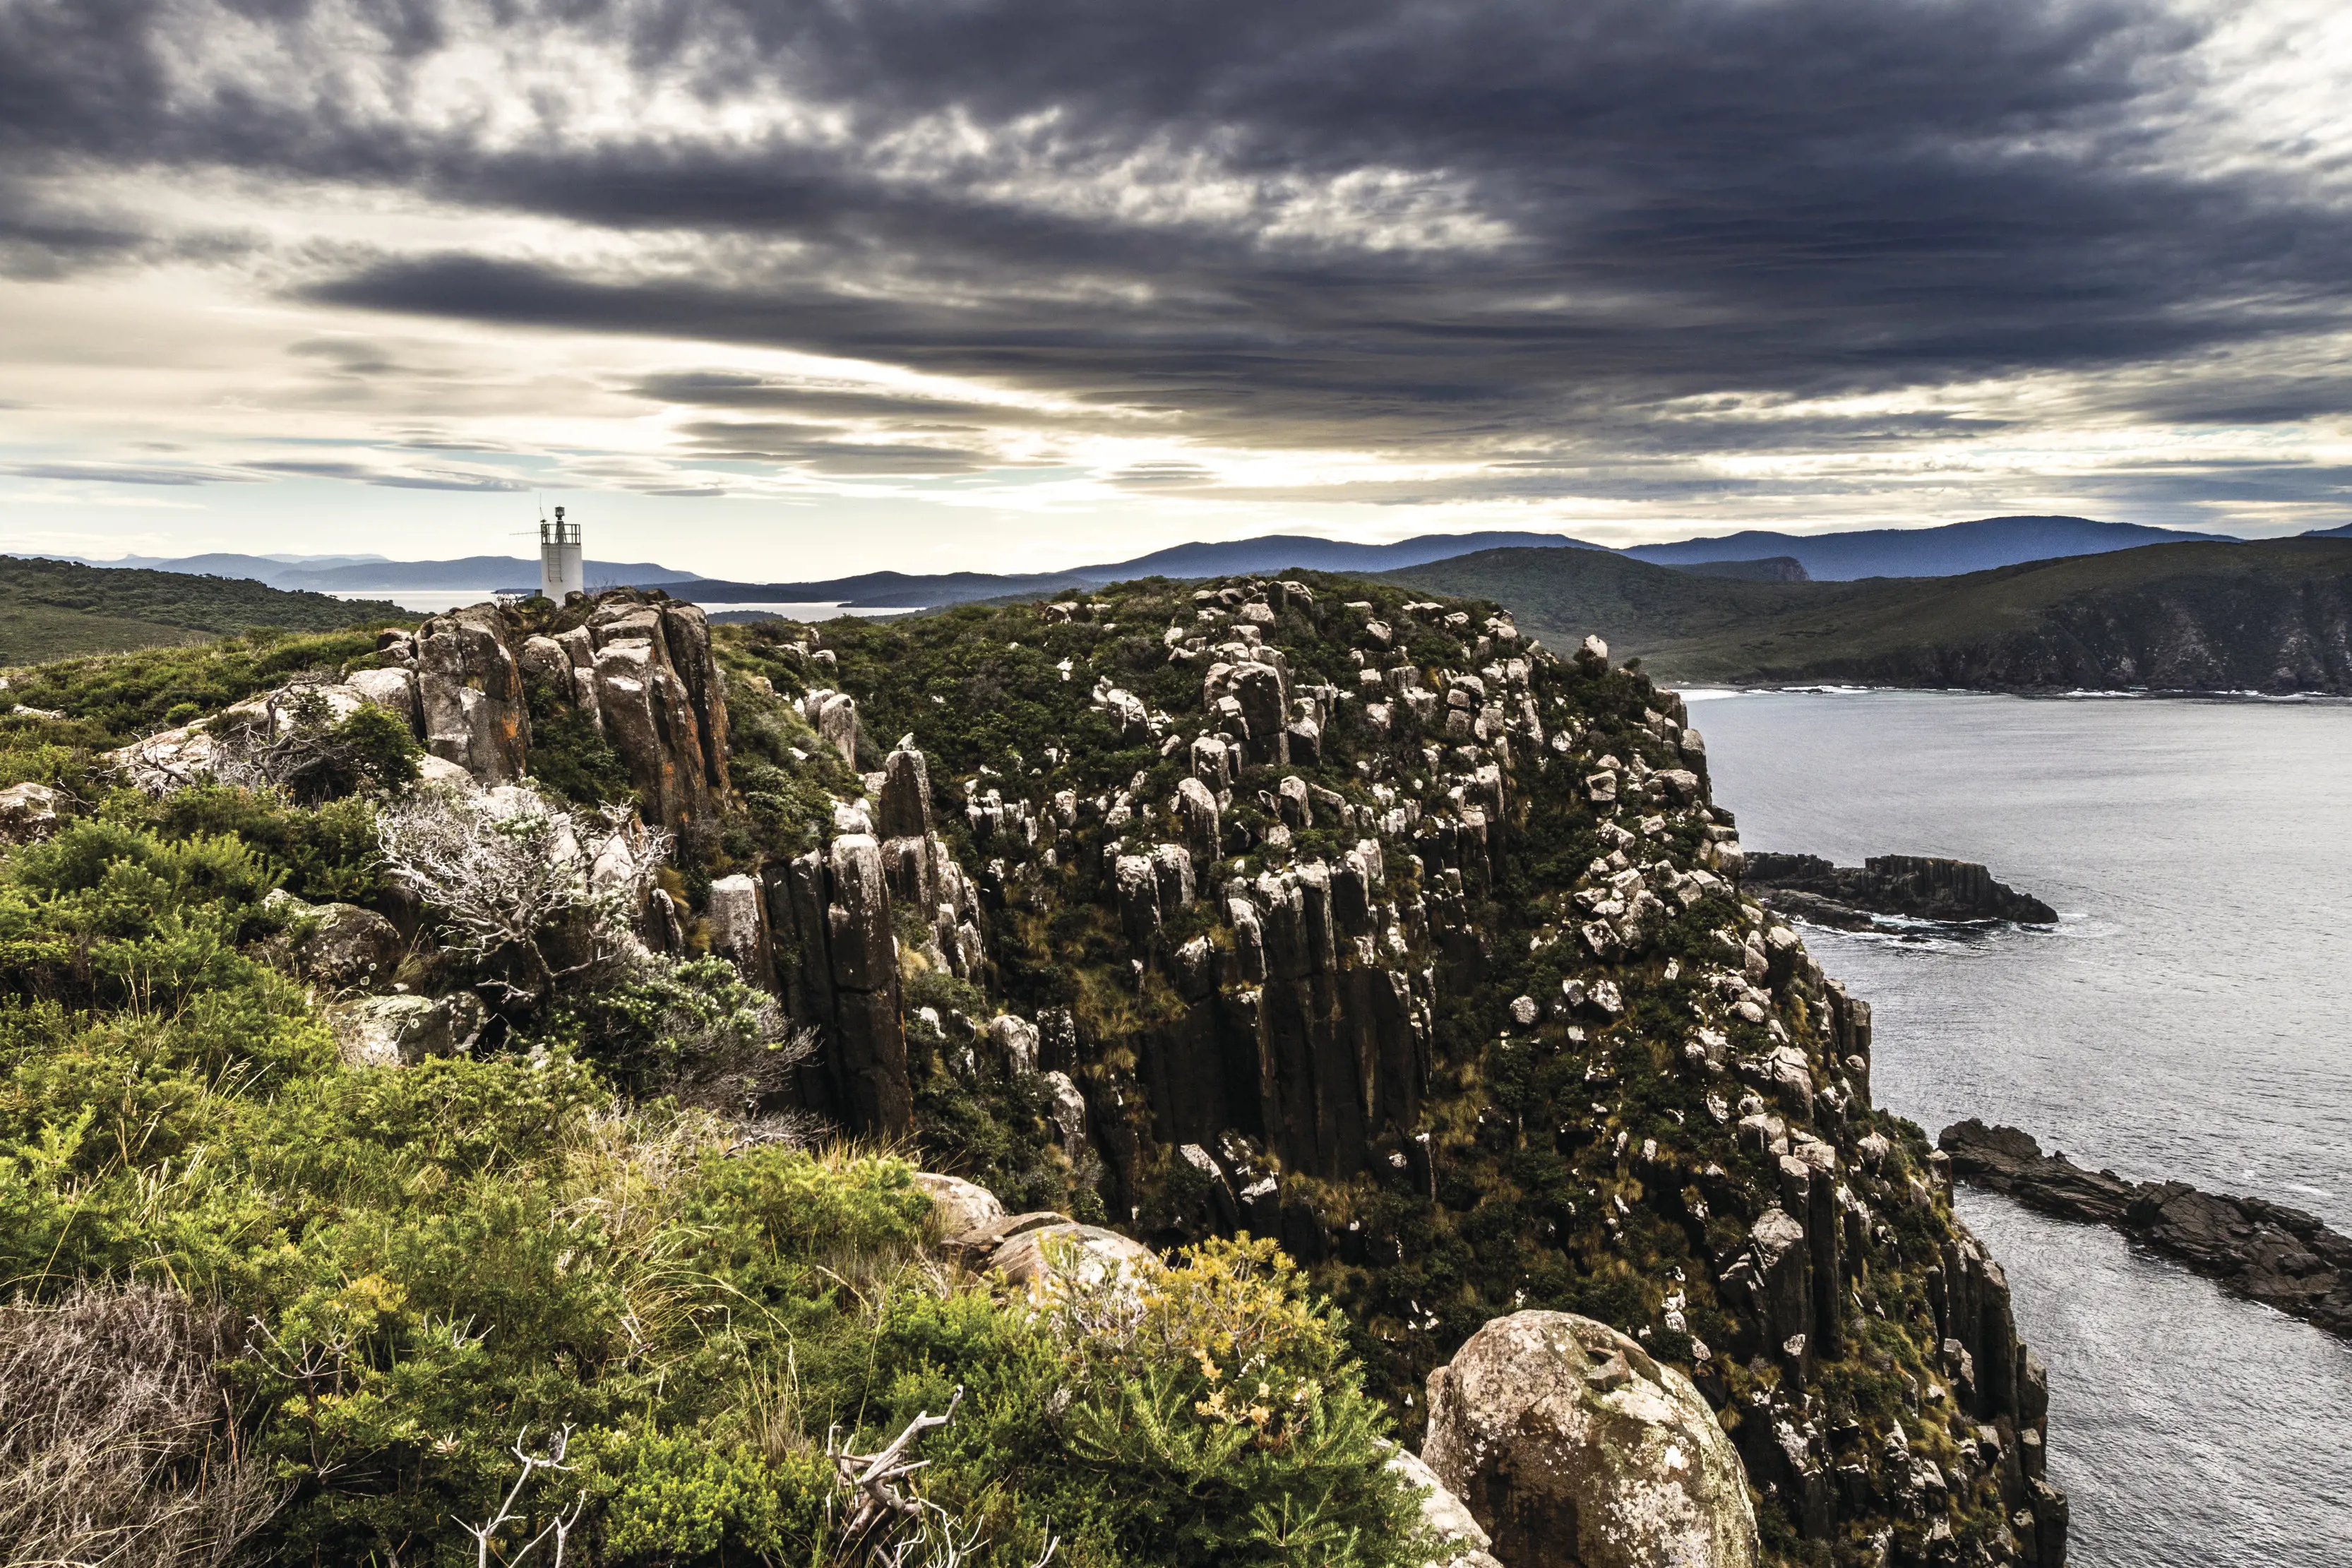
760 287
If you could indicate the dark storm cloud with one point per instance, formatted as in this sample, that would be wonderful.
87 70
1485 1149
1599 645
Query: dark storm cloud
1653 201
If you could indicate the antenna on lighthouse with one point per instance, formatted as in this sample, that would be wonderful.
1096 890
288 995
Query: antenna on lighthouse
559 567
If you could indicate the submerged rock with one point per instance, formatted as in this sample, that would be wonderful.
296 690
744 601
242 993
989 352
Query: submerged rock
1574 1449
1917 887
2279 1256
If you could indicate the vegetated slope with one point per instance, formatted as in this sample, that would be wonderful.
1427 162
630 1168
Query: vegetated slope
2266 615
1267 553
1771 568
1639 609
54 609
1944 551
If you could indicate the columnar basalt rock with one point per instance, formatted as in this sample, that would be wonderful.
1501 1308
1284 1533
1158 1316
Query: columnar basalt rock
640 670
1475 978
835 904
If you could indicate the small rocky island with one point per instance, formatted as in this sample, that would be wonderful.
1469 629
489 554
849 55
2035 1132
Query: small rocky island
1917 887
2279 1256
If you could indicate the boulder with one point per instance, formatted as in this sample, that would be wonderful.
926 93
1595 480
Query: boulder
1574 1449
958 1208
349 945
400 1031
395 689
1015 1040
29 812
1080 1254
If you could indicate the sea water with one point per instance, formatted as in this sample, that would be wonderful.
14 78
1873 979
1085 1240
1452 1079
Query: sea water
2190 1017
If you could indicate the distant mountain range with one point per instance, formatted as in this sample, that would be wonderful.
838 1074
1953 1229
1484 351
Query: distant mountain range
1951 549
2271 615
1946 551
364 573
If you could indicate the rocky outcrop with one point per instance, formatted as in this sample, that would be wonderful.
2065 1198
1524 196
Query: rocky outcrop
1917 887
470 693
1453 965
1574 1449
2274 1254
640 669
831 911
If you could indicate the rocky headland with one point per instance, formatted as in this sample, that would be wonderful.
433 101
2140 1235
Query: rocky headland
1308 909
2279 1256
1915 887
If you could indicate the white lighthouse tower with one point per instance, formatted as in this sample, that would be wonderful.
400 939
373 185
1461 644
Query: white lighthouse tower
559 557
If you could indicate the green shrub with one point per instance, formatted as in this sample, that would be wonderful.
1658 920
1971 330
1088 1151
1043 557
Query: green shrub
1232 1423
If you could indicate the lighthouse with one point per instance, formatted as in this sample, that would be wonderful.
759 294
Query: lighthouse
559 557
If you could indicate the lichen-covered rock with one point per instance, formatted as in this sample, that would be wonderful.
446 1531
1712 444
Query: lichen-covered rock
739 929
1465 1539
393 689
1575 1449
958 1208
349 945
470 690
1083 1254
29 812
400 1031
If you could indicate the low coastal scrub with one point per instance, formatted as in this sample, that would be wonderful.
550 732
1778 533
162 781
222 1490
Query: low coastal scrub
269 1307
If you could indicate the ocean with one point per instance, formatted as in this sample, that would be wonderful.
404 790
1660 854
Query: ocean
2190 1017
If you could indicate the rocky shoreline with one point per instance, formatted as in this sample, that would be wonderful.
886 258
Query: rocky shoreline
1916 887
2279 1256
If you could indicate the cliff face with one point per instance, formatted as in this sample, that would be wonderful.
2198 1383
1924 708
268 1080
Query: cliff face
1310 909
2254 634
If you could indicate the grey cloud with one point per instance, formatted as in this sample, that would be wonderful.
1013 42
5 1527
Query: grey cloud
122 474
395 479
808 447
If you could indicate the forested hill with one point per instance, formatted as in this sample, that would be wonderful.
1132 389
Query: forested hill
2270 616
57 609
